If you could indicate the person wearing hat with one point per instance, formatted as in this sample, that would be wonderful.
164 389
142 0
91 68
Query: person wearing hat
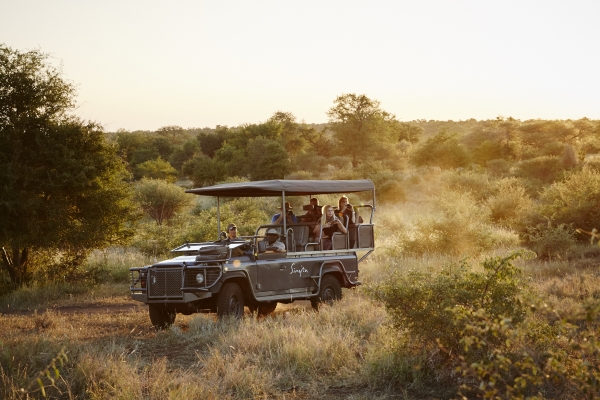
290 217
273 244
232 233
232 237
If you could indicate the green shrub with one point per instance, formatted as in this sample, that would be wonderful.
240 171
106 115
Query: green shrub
544 169
573 201
421 302
530 360
548 240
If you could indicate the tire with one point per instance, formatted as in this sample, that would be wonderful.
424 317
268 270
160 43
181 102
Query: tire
330 292
160 317
265 309
230 301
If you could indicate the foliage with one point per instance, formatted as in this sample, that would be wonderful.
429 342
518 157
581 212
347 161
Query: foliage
156 169
443 150
360 127
155 240
458 226
547 240
475 183
421 302
544 169
501 355
62 186
509 202
269 159
160 199
204 171
574 200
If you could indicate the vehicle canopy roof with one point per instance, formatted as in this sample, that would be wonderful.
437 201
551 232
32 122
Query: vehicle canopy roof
289 187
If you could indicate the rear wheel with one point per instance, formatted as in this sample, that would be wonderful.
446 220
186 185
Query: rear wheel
160 317
230 301
330 291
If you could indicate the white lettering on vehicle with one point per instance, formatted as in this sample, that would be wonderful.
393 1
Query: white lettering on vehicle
298 271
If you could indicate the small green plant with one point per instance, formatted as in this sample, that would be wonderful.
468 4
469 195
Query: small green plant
548 240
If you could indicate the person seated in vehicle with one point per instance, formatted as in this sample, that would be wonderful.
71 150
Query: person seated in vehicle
345 212
272 243
232 237
289 215
313 211
327 226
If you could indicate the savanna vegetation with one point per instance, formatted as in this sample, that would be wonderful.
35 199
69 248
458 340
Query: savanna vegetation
485 282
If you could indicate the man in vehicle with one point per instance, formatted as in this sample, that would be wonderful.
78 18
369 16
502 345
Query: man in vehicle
232 237
313 213
273 245
289 215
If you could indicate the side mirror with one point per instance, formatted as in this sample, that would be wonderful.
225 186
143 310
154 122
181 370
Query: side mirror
222 235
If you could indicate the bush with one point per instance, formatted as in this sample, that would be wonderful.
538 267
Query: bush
160 199
509 203
157 169
459 226
547 240
573 201
515 365
545 169
477 184
443 150
421 303
498 168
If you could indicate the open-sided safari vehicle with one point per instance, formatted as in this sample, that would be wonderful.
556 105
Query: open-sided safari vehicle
218 277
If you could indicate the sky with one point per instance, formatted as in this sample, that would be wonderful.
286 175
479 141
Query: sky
141 65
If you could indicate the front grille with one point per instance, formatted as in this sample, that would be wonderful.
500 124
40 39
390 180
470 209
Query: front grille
164 282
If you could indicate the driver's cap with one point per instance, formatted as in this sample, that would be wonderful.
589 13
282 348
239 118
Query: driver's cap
272 231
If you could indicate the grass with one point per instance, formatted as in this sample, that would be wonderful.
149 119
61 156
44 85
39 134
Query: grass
348 351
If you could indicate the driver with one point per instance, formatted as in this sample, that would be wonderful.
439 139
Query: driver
273 243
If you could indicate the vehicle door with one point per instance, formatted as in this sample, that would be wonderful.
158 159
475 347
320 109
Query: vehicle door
300 271
272 276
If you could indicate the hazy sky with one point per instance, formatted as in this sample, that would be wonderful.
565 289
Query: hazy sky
146 64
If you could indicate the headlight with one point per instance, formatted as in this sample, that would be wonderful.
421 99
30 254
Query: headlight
200 278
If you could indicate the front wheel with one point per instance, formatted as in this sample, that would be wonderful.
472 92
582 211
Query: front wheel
160 317
230 301
330 291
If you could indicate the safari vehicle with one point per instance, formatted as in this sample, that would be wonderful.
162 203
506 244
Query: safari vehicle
218 277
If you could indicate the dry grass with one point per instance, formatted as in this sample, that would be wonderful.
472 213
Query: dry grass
346 352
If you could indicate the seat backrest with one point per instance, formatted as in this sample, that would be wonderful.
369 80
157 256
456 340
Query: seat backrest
262 246
338 241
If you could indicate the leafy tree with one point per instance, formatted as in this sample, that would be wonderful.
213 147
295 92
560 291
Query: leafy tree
407 131
62 185
360 126
158 169
211 142
269 159
186 152
160 199
443 150
174 134
204 171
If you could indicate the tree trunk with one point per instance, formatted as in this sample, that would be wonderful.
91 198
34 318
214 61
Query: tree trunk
17 265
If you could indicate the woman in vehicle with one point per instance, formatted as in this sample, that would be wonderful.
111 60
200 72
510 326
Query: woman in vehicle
344 211
327 226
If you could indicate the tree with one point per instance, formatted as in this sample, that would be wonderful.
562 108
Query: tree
442 150
62 186
204 171
158 169
360 126
160 199
269 159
